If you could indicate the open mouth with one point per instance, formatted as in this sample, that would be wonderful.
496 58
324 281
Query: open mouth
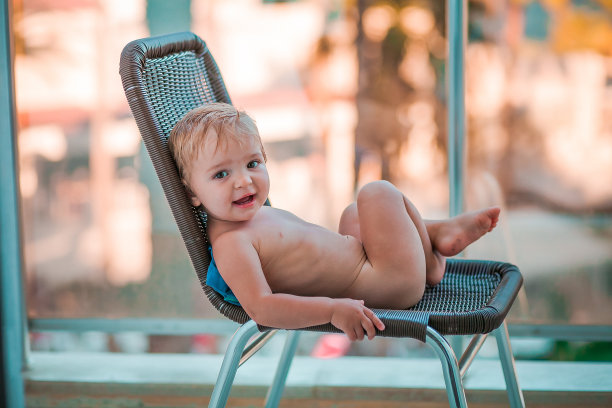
246 200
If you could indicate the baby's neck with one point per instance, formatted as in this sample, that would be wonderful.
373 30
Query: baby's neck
215 228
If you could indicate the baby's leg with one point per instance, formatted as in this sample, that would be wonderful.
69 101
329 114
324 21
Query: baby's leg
395 238
440 238
434 262
443 238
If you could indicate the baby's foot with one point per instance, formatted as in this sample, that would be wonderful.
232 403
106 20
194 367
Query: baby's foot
458 232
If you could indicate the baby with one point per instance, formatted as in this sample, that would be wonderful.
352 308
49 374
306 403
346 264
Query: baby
289 273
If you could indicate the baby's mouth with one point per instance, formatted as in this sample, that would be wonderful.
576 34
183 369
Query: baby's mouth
245 200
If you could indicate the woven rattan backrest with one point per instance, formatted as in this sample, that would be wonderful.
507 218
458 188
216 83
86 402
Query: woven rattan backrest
164 78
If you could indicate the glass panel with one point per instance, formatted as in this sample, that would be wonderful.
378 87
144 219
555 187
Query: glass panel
350 92
99 237
95 226
539 140
539 78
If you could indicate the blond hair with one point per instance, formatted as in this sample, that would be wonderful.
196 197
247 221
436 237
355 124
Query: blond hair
189 135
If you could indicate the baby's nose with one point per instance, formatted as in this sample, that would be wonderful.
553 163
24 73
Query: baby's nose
243 180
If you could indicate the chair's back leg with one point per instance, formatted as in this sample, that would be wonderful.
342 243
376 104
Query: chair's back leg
450 368
275 391
515 395
230 364
256 345
470 353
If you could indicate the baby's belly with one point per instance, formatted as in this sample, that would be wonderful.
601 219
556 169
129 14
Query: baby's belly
327 266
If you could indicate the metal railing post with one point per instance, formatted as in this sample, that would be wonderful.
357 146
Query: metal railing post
455 74
12 309
456 11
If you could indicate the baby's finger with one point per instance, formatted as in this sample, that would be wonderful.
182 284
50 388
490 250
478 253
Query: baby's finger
350 334
377 322
359 332
369 327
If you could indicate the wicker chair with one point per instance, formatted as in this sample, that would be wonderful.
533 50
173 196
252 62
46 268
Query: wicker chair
163 78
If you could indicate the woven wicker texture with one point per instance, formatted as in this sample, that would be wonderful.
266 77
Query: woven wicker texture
165 77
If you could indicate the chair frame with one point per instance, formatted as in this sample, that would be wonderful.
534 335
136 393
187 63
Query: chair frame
453 371
142 61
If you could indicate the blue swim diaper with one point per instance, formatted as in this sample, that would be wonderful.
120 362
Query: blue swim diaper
216 282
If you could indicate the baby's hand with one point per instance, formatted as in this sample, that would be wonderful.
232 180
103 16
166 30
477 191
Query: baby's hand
352 317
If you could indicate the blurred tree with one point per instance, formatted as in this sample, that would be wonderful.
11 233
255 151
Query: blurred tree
386 31
578 29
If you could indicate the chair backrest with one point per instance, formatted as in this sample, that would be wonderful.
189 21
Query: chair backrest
163 78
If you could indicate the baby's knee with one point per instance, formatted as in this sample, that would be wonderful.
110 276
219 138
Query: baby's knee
350 213
349 221
376 190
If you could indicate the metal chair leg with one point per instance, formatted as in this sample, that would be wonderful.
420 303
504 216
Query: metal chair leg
256 345
450 368
230 364
515 395
275 391
470 353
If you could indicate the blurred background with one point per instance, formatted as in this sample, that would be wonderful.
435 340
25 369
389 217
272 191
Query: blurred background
344 92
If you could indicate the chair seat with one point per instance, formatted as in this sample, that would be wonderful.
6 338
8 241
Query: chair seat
473 298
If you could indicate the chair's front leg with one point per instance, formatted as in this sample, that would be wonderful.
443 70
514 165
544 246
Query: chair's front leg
230 364
275 391
515 395
450 368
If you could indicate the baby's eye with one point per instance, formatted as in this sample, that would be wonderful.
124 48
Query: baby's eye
253 164
221 174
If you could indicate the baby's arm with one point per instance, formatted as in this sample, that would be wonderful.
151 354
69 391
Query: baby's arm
240 267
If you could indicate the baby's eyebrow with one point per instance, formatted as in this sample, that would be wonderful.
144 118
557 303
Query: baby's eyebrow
220 165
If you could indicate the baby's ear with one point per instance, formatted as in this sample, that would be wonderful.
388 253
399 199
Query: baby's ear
195 201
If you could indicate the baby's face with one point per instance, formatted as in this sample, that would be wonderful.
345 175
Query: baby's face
231 182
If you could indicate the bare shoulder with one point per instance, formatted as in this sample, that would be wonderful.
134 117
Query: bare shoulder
231 241
236 256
